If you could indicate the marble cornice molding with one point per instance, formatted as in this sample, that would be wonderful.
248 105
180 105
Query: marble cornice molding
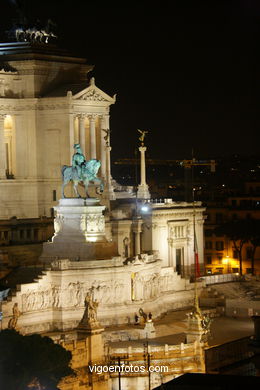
7 108
87 114
53 106
173 214
7 104
168 214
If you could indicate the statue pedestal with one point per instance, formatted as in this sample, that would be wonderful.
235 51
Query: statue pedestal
149 330
79 232
195 330
143 192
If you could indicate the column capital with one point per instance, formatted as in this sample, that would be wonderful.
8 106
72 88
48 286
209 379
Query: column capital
142 148
2 117
81 116
92 117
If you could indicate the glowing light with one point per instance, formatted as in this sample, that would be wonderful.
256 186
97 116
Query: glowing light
225 260
145 208
92 239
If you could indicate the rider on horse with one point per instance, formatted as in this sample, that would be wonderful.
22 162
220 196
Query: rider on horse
78 159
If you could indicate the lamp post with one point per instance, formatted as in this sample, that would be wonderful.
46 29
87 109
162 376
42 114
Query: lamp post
226 262
147 357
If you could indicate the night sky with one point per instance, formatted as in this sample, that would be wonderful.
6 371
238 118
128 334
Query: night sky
187 71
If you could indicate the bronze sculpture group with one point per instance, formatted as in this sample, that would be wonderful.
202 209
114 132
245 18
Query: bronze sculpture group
81 171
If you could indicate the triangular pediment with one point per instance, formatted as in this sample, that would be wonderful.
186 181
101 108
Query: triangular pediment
93 94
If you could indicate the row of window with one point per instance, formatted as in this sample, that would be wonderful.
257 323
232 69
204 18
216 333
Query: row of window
209 259
220 218
220 270
31 234
219 245
249 251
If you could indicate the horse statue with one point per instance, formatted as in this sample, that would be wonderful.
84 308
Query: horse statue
89 170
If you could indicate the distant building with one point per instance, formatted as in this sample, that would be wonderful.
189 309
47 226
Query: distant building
220 254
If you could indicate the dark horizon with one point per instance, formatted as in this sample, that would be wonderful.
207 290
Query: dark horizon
188 74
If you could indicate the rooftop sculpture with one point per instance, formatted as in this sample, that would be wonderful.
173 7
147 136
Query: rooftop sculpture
142 136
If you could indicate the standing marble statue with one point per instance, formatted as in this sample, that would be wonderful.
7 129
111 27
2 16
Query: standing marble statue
12 324
91 306
89 319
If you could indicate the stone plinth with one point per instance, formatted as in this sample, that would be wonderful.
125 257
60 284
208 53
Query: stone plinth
149 330
79 232
143 192
195 329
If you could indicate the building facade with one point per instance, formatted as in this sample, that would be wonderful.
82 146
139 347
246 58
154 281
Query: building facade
46 106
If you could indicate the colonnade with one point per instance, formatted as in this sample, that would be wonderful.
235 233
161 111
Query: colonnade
83 128
97 148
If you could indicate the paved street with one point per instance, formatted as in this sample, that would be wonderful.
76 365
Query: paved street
170 329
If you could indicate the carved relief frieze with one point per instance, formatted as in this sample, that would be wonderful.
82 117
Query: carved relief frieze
166 282
145 286
95 223
73 295
94 96
56 106
38 299
83 223
60 264
58 223
108 292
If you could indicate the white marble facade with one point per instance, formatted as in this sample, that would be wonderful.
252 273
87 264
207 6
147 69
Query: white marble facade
128 258
121 284
47 104
56 300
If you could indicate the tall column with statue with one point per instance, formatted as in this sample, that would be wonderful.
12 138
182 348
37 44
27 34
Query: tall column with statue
109 190
143 189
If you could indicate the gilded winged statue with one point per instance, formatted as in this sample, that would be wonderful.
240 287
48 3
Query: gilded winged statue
142 136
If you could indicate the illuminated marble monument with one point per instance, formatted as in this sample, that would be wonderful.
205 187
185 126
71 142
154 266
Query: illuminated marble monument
126 257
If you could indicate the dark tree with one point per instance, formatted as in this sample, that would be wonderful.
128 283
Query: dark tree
254 239
237 231
31 359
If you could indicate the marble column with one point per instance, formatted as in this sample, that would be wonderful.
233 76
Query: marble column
82 134
137 243
103 126
93 152
143 191
71 136
137 229
142 150
2 149
109 190
170 252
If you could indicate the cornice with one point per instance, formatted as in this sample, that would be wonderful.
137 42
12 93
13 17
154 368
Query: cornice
7 105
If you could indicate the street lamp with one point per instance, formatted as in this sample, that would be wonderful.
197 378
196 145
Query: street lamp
226 261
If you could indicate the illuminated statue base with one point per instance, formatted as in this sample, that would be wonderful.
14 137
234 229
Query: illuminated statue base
143 192
79 232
